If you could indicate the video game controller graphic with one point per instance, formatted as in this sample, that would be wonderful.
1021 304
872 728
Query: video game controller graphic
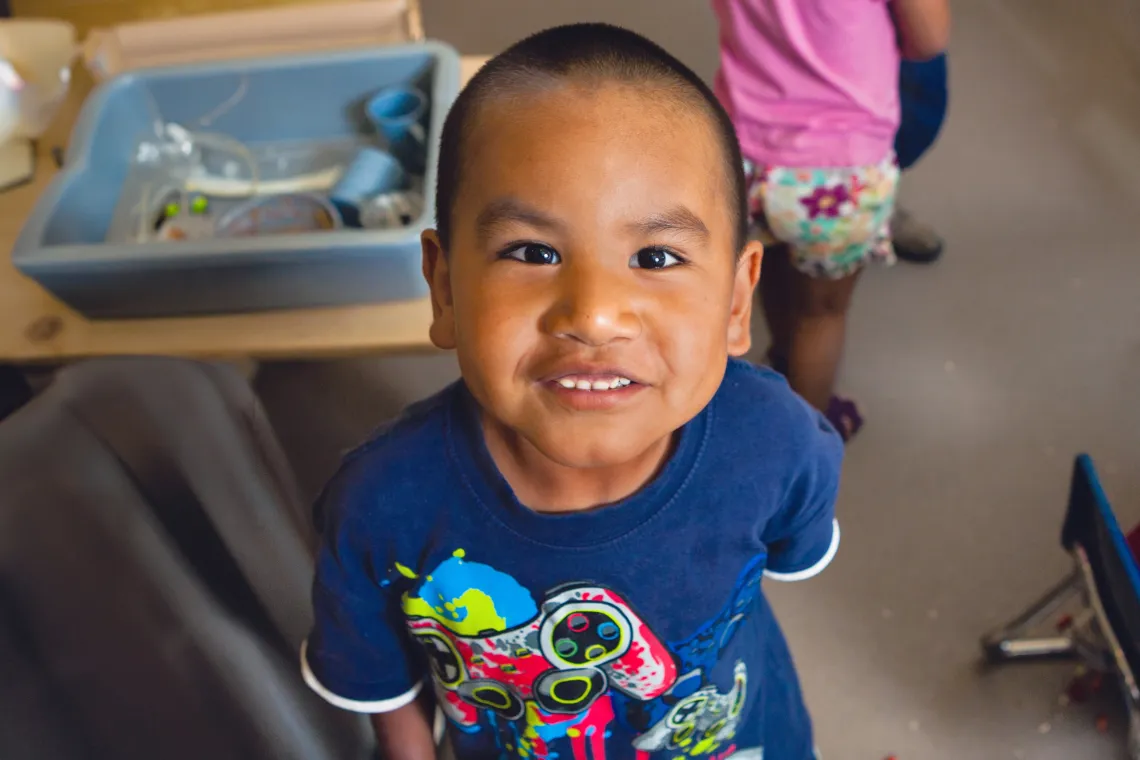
707 717
585 640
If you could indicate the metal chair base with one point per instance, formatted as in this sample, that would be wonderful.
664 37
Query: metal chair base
1013 640
1089 639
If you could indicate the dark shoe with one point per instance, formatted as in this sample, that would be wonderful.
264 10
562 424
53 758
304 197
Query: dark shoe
913 240
844 416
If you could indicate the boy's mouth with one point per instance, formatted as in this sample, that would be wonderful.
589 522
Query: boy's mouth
593 382
589 390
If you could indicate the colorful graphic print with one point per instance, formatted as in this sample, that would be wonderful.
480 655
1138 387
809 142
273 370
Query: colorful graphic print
694 700
701 722
540 675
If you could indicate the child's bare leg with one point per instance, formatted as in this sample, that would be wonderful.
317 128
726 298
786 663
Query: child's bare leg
833 221
818 331
776 298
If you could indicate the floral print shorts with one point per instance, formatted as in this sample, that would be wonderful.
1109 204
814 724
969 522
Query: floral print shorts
835 220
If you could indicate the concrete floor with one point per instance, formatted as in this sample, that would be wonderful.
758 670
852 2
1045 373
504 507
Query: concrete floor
981 378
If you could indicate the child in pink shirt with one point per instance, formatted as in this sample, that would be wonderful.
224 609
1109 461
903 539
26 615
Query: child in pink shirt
812 88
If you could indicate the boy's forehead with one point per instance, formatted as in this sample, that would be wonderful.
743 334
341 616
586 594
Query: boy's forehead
613 146
580 117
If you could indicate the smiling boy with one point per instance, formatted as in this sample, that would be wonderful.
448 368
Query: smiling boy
569 542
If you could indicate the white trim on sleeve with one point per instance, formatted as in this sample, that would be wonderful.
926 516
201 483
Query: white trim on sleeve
377 706
817 568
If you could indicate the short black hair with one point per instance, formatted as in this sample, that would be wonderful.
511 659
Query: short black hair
594 52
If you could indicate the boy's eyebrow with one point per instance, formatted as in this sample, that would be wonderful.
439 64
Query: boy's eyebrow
678 219
504 210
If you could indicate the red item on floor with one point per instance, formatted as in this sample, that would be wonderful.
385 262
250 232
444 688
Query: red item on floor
1102 724
1078 691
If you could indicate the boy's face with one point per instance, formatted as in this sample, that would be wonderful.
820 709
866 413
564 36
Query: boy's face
592 290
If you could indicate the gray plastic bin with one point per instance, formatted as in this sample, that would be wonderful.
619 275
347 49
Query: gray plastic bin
286 99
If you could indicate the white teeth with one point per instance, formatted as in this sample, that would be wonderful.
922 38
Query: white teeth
571 383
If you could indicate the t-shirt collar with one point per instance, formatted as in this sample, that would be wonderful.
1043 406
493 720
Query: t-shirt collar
574 529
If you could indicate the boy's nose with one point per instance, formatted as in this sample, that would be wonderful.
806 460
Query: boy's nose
593 307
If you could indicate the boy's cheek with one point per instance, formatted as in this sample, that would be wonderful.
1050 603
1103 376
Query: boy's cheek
494 336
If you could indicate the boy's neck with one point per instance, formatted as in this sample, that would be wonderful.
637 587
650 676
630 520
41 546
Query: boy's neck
544 485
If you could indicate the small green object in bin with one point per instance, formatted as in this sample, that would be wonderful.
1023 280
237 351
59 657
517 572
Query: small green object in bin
199 205
171 209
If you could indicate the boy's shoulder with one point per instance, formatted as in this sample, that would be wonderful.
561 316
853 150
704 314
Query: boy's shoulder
400 463
421 423
767 439
757 404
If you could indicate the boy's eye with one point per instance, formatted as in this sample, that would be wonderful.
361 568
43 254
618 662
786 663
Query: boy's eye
533 253
654 258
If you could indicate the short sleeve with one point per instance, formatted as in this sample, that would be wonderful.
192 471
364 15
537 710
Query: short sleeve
357 656
803 536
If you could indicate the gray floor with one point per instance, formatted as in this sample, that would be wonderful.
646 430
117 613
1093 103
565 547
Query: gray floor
981 378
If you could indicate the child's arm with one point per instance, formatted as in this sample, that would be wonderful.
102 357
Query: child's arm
924 27
404 734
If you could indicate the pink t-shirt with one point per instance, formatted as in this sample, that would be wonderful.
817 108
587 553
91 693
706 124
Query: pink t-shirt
810 83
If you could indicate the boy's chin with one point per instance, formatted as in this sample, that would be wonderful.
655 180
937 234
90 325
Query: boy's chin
594 450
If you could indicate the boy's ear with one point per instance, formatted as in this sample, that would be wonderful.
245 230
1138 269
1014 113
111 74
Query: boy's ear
438 277
743 286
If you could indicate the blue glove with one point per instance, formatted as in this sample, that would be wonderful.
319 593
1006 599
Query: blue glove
923 93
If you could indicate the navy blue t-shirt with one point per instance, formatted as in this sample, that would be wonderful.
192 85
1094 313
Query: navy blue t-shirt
636 630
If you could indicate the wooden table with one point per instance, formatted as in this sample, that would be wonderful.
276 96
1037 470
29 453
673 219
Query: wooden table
37 328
